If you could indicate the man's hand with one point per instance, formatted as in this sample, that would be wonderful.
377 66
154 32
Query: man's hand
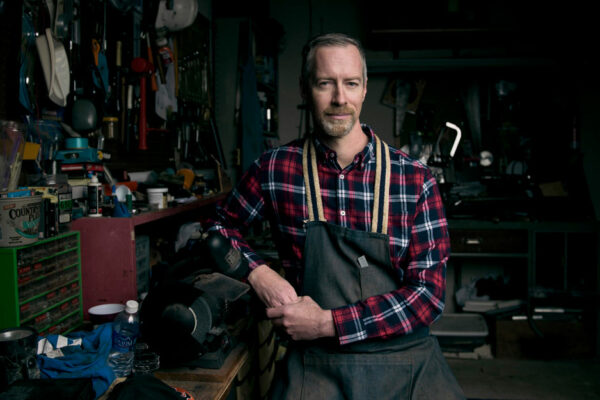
303 320
271 288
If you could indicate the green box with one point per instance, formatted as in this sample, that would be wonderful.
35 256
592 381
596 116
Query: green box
40 285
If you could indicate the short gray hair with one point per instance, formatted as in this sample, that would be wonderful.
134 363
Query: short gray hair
325 40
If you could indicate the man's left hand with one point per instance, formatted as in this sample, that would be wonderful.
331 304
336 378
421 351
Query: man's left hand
303 320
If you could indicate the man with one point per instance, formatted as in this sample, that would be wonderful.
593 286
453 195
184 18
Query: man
363 240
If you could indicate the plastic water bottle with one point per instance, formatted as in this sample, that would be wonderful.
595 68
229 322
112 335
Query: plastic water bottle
126 329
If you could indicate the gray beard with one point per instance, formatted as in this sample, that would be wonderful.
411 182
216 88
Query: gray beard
335 129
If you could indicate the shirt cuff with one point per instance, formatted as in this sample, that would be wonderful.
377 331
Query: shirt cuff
253 260
348 325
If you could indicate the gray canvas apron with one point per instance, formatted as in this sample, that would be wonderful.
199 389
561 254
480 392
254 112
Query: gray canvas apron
343 266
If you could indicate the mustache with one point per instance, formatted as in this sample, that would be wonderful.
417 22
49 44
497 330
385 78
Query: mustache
339 110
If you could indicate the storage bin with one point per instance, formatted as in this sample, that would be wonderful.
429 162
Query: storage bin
40 285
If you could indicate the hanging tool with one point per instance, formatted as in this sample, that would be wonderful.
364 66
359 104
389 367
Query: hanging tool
440 161
165 99
121 85
63 18
55 64
100 75
151 60
128 117
142 67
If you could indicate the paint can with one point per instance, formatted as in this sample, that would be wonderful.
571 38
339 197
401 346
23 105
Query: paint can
20 220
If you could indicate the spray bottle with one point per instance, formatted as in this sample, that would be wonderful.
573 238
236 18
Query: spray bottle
94 192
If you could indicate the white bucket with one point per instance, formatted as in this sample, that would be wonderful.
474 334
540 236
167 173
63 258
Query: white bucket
20 220
157 197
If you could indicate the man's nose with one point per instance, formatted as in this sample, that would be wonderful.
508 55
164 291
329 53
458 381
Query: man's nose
339 96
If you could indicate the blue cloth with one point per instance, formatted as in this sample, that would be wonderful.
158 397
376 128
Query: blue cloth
86 361
120 210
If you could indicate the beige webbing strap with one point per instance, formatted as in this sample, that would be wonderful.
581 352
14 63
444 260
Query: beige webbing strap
375 214
381 156
315 174
311 214
386 188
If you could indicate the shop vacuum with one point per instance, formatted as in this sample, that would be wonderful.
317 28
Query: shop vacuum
184 317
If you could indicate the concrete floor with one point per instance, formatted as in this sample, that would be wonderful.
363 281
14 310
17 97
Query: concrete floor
508 379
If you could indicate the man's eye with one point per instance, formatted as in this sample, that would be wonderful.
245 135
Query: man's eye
323 83
353 84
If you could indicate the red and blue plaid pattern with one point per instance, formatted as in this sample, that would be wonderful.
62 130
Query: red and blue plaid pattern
273 189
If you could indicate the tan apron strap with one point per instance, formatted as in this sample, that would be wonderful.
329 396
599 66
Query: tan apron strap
386 188
311 182
381 196
311 214
379 218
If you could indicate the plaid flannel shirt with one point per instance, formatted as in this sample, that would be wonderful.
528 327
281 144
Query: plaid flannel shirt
273 189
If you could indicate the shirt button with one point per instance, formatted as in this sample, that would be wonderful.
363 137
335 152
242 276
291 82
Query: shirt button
342 213
342 176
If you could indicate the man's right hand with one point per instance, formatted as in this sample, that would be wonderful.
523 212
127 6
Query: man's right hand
272 289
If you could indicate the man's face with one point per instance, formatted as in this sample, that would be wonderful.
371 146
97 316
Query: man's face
337 89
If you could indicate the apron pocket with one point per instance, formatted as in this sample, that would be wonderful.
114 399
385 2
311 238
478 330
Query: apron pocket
356 376
375 281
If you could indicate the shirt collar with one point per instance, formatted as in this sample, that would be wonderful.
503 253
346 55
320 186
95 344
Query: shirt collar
326 155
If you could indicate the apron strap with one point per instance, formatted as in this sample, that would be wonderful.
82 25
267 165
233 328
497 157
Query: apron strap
381 203
311 182
379 217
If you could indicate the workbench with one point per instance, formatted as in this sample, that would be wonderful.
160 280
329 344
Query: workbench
210 384
207 384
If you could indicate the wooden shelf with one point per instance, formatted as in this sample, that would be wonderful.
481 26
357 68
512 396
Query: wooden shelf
155 215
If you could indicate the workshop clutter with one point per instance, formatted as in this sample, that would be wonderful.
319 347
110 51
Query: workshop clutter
12 148
20 219
17 355
193 311
194 298
126 330
103 313
107 89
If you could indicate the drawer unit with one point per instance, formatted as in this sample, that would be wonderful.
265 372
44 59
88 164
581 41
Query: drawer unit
40 285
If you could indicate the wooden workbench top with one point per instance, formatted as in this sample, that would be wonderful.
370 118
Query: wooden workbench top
204 383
